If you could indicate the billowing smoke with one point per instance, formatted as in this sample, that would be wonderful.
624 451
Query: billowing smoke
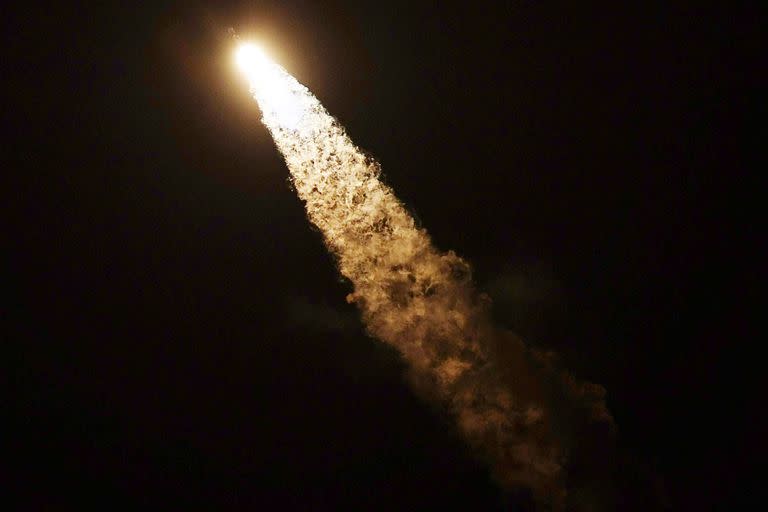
517 411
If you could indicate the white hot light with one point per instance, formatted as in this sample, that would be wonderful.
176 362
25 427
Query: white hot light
270 86
250 59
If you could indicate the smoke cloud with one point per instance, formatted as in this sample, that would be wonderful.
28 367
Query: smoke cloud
515 408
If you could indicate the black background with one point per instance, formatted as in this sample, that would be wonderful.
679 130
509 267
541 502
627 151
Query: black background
180 336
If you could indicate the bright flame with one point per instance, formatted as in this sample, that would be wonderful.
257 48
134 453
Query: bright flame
250 59
278 102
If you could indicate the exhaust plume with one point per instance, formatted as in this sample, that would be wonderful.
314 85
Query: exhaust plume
517 411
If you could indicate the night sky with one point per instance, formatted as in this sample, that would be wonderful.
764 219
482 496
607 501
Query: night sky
180 336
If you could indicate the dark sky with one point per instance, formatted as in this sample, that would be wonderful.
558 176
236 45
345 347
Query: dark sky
180 335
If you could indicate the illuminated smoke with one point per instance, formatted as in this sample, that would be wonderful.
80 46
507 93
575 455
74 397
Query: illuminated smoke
509 401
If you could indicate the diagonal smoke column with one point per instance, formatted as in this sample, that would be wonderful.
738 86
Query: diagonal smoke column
415 297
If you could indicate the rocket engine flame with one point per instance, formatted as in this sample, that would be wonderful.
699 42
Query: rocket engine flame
283 106
419 299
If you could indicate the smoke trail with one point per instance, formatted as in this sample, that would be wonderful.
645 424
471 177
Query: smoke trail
509 401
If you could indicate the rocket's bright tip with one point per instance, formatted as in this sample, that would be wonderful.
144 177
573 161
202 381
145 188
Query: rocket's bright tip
271 86
250 58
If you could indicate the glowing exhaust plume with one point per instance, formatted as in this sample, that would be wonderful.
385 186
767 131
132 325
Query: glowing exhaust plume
281 105
421 300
